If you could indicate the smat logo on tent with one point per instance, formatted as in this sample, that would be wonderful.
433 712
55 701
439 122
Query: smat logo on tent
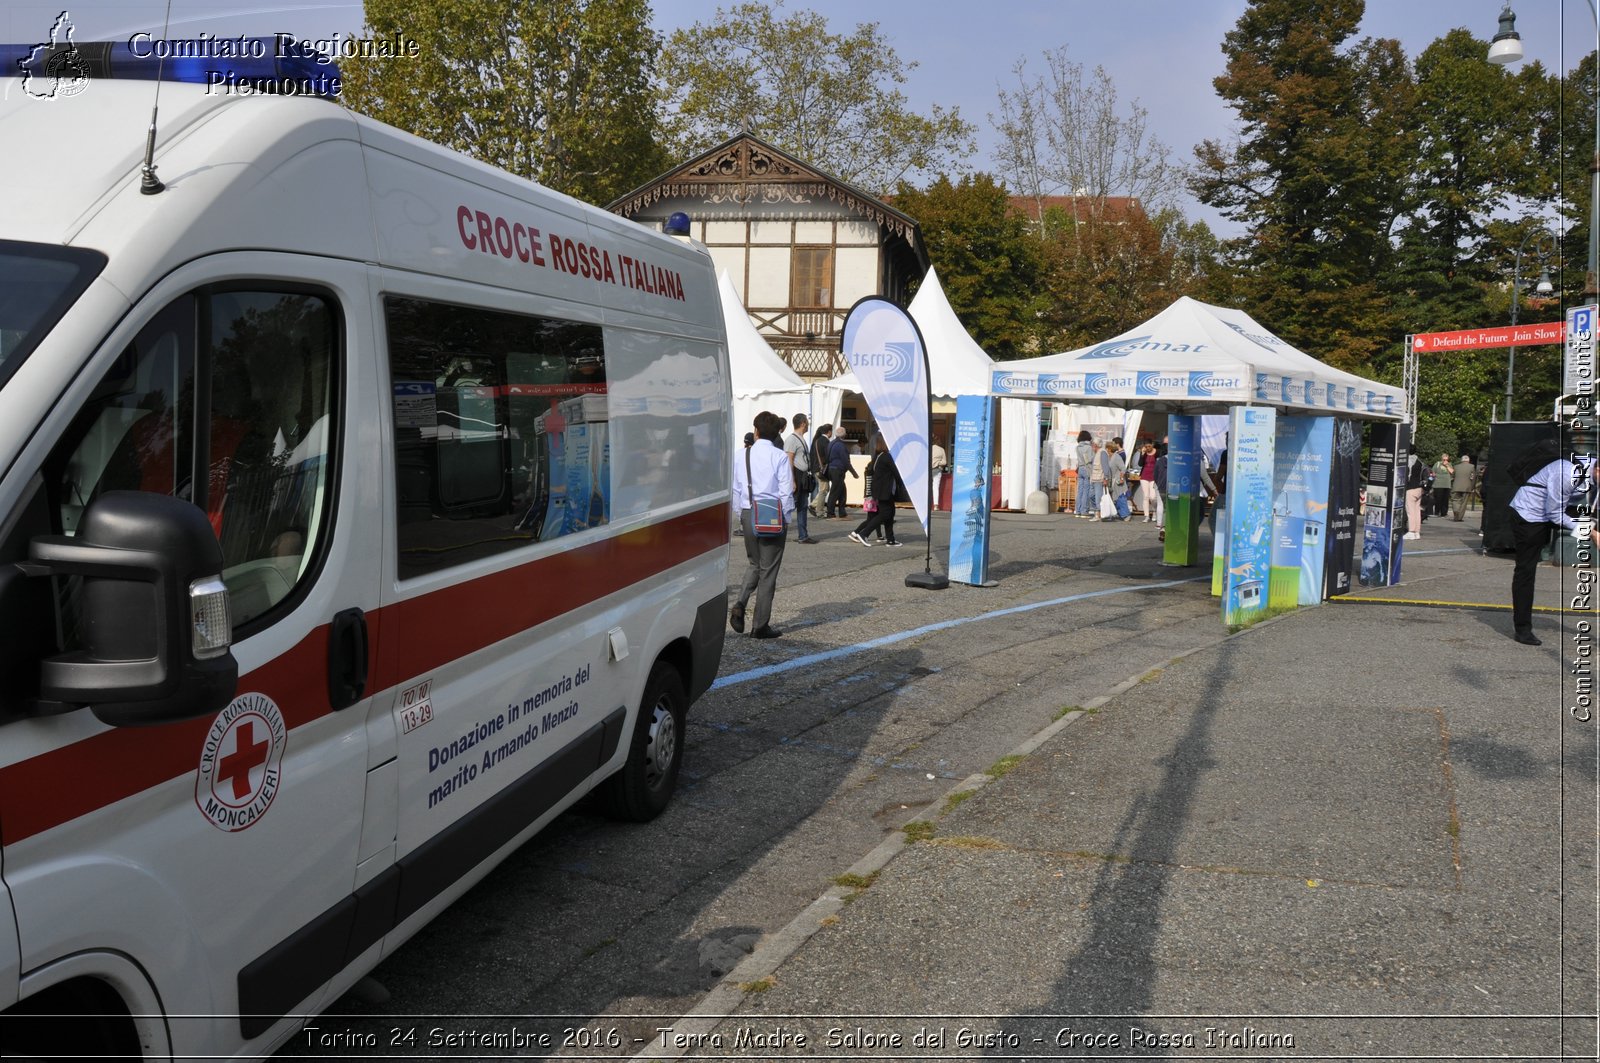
1133 344
1014 383
1097 383
1153 384
1260 339
1203 384
1061 385
1114 348
1333 395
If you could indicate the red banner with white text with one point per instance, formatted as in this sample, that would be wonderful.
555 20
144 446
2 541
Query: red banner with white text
1478 338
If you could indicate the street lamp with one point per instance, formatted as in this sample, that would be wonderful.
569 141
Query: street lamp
1544 245
1507 48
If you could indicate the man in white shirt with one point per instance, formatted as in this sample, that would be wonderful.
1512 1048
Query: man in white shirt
765 468
1540 503
937 460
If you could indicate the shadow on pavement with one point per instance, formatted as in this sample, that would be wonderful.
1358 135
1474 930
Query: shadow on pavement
1112 975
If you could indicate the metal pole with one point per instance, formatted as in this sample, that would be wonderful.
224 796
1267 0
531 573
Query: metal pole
1534 237
1511 358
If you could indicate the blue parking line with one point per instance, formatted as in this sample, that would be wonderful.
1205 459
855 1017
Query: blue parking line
928 629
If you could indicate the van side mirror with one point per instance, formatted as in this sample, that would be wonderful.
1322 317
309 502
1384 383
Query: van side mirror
154 624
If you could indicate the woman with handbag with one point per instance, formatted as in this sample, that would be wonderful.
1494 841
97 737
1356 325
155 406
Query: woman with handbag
763 493
885 481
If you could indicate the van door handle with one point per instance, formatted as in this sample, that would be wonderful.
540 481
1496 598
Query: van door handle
347 658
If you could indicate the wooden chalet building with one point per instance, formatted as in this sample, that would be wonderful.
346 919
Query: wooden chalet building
800 245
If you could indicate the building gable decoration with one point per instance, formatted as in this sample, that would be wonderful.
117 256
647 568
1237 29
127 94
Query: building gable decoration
746 170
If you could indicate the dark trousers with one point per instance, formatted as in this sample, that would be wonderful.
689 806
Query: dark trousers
835 494
883 518
1530 540
1441 501
761 578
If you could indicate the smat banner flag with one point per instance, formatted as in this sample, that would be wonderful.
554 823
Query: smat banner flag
886 353
1252 432
1299 511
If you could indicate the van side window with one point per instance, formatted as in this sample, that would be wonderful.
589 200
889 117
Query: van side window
257 368
500 431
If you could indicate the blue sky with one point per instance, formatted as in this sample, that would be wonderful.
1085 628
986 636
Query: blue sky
1164 53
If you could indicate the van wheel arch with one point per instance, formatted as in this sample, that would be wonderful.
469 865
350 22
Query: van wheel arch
82 1016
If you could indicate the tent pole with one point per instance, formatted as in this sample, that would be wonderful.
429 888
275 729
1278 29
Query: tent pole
928 579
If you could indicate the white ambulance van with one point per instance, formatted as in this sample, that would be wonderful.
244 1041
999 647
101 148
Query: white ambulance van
362 507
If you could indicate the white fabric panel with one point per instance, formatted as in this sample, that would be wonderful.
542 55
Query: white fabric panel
826 403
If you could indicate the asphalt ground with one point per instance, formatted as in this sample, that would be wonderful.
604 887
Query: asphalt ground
1364 830
1349 811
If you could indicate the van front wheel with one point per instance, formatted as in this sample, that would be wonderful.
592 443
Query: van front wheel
644 785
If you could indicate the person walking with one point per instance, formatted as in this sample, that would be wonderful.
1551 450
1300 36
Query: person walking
838 467
799 452
1462 482
1539 506
884 479
1161 491
937 460
1442 472
1116 473
1216 481
819 467
1416 479
1150 495
1083 454
1097 479
761 471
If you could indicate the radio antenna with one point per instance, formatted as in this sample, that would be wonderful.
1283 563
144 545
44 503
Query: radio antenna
148 183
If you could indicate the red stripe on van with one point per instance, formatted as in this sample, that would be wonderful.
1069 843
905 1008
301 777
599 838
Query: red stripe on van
447 624
50 789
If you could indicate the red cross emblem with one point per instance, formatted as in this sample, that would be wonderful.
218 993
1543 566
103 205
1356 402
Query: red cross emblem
248 754
241 762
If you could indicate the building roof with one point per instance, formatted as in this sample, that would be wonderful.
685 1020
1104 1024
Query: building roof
730 172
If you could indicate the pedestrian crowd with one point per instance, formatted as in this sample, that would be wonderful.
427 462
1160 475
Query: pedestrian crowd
779 480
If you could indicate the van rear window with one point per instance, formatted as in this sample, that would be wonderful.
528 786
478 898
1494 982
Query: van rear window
500 428
38 283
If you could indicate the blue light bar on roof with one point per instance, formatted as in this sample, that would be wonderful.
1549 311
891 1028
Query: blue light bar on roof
277 65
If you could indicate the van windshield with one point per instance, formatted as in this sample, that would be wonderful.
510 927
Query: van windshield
38 282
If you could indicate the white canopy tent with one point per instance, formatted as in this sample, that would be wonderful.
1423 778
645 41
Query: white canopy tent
1195 358
956 366
761 380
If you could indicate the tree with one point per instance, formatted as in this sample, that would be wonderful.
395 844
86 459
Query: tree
1103 275
987 262
831 100
1574 130
1312 174
1476 153
558 91
1062 135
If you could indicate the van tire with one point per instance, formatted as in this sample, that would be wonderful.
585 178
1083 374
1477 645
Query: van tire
642 788
82 1018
